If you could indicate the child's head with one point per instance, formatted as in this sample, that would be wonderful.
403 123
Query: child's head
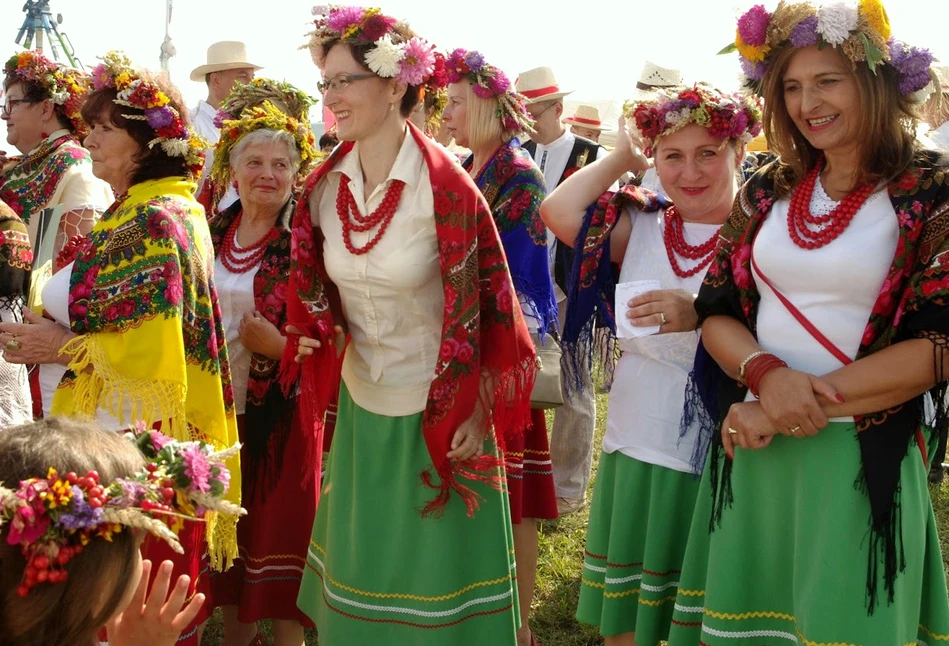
102 577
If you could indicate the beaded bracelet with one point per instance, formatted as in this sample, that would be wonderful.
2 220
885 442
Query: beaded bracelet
758 367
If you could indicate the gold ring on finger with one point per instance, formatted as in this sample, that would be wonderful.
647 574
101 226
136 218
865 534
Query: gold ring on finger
13 345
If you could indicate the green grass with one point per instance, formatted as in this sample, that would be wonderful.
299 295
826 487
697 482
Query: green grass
561 562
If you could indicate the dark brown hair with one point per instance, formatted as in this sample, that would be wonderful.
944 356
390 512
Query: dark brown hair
413 93
34 93
150 163
886 140
68 613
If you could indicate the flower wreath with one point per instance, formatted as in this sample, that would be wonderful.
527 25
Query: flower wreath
53 517
175 138
246 95
66 87
436 86
263 116
409 61
862 33
488 82
727 116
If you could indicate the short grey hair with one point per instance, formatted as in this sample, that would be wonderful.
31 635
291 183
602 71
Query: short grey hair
266 136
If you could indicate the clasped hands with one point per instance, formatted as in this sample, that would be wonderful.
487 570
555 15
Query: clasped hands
791 403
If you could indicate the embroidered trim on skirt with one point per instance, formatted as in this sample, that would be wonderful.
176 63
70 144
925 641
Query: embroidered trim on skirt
530 474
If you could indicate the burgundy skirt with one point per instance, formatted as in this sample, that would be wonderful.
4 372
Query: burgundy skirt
273 538
530 476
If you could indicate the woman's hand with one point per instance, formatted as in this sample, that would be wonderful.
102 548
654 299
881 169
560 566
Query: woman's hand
789 398
261 336
37 341
746 426
629 146
309 345
673 310
468 441
159 619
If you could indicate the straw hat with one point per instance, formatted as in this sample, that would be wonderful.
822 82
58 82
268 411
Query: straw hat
539 84
586 116
942 73
653 76
225 55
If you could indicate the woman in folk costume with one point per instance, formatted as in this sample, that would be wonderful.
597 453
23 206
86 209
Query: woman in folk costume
412 540
136 323
646 486
825 315
263 150
51 186
16 259
485 115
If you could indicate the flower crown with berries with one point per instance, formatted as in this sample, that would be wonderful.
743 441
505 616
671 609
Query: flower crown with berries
409 61
861 32
53 517
436 86
66 87
259 117
727 116
489 82
134 91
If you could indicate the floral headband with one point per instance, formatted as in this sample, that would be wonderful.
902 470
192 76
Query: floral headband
489 82
246 95
436 87
52 518
727 116
263 116
861 32
66 87
409 61
177 140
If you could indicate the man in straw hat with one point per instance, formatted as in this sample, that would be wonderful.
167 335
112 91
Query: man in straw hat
585 122
226 65
559 153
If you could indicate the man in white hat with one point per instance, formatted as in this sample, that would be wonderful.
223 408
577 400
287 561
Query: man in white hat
652 78
226 65
559 153
586 123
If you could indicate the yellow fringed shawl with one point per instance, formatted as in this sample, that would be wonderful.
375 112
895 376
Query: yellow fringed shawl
151 341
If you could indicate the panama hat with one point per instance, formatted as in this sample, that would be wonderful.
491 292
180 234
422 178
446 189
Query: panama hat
225 55
653 76
586 116
539 84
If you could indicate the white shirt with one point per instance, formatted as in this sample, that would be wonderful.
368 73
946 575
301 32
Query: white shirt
202 118
648 390
940 135
392 296
235 293
652 182
834 286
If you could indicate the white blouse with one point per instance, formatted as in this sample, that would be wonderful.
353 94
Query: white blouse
392 297
235 293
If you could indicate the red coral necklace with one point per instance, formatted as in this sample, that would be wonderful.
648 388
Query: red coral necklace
829 226
249 256
674 237
381 217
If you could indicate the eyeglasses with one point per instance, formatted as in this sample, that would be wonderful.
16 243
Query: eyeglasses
341 81
537 116
12 103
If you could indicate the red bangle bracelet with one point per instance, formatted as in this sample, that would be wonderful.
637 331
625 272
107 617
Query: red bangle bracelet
758 367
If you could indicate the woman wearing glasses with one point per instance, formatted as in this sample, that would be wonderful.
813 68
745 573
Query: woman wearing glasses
412 540
51 185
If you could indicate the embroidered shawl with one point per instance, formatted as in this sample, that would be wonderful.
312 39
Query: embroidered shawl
16 257
142 300
483 329
29 185
591 288
514 187
912 304
267 412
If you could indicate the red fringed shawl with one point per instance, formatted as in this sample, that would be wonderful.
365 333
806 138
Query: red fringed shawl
483 333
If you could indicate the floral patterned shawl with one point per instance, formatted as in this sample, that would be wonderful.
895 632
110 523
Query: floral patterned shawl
31 182
267 412
483 329
142 300
912 304
16 257
514 187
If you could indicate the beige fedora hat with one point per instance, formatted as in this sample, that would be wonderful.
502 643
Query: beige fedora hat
654 76
539 84
586 116
225 55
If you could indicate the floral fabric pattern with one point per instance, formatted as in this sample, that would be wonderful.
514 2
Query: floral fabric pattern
29 185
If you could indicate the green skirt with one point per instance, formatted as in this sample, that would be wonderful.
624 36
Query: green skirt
636 539
788 564
377 572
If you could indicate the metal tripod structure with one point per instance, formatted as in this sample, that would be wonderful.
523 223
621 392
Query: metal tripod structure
40 28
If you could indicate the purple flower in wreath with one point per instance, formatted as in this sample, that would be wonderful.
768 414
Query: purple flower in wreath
475 61
754 71
159 117
341 19
913 65
82 515
804 33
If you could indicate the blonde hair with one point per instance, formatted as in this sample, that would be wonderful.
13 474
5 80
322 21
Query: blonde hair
483 122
